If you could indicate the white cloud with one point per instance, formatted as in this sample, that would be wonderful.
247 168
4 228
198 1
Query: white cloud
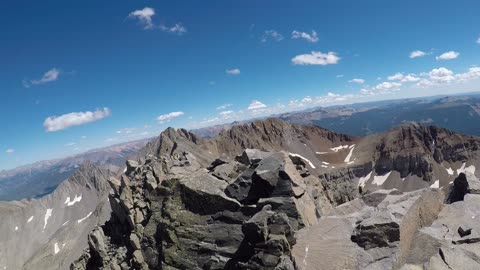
473 73
49 76
359 81
340 76
309 37
57 123
416 54
329 98
10 151
126 130
448 55
403 78
441 74
396 77
437 76
234 71
271 35
144 16
225 113
478 40
410 78
388 86
224 106
70 144
169 116
316 58
178 29
381 89
255 105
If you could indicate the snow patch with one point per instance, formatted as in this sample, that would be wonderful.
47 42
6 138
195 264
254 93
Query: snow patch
306 255
56 249
350 162
48 214
469 169
323 166
308 161
436 184
65 223
82 219
321 153
338 148
75 200
379 180
363 180
16 228
63 245
349 156
125 170
325 163
449 171
30 219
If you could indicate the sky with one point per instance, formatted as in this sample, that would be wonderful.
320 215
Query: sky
77 75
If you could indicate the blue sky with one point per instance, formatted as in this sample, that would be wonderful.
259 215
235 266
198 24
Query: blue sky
76 75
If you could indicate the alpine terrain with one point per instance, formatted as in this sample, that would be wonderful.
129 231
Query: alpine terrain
275 195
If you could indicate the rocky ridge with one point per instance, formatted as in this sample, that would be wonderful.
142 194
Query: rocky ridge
193 203
49 233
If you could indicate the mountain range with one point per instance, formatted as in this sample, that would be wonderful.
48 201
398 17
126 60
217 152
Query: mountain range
275 195
264 194
41 178
460 113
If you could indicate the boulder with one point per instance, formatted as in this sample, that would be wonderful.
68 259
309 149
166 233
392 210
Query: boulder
251 156
132 165
459 188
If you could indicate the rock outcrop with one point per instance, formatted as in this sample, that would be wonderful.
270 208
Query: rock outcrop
272 195
172 213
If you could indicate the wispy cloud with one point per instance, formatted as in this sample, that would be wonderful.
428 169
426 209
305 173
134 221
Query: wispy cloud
10 151
416 54
168 117
49 76
144 16
308 37
478 40
448 55
255 105
224 106
316 58
126 130
234 71
271 35
177 28
225 113
70 144
359 81
57 123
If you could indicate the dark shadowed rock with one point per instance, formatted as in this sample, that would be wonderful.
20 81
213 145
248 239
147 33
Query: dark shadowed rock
459 189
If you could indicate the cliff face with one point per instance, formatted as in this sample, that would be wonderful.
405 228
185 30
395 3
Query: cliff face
252 196
47 233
